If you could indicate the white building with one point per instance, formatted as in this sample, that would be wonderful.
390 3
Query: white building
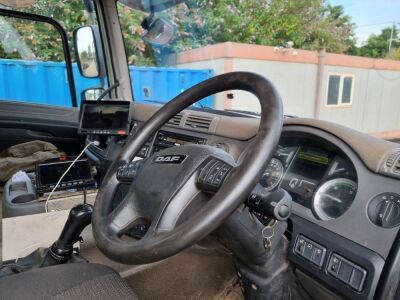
359 92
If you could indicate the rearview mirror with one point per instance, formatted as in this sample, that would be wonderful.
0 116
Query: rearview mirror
92 93
86 52
159 33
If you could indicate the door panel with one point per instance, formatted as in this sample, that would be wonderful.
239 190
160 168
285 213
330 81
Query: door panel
22 122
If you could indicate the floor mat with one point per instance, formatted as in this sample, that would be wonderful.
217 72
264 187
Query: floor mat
188 276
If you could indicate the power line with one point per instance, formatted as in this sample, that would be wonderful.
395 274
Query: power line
367 25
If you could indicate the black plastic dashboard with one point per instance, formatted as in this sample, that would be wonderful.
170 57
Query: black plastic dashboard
332 191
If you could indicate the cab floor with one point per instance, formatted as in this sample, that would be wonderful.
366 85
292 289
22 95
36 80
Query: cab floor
190 274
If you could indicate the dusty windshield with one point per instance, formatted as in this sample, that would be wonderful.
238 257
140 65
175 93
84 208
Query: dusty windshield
335 60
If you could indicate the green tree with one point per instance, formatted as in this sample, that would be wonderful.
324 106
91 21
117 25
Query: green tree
138 53
310 24
394 54
377 45
42 38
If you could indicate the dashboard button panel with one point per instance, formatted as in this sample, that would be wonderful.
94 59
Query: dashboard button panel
127 172
347 272
357 278
334 265
213 174
310 250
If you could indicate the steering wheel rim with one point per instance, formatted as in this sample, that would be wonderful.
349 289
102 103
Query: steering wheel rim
231 194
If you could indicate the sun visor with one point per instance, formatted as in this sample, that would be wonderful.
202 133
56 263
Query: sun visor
17 3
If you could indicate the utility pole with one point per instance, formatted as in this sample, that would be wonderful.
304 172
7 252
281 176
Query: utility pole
391 38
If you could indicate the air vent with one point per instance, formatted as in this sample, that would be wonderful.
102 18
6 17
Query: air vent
176 121
396 168
392 158
198 122
391 165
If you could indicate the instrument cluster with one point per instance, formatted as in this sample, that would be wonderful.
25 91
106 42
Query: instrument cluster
317 175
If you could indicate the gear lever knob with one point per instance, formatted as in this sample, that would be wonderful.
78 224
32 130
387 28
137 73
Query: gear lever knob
79 217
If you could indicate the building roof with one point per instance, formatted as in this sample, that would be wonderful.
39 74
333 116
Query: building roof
257 52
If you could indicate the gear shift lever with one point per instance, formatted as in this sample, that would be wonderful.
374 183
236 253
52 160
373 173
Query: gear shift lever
61 251
79 217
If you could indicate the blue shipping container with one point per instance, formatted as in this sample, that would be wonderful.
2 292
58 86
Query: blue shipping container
46 82
160 85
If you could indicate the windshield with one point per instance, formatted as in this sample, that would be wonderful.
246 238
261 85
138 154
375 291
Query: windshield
334 60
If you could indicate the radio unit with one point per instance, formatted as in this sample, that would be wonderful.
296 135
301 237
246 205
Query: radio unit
48 174
166 139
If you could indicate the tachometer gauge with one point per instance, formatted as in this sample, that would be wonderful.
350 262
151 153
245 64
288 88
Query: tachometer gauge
333 198
272 175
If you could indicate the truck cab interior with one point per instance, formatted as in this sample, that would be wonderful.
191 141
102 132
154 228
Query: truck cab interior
176 200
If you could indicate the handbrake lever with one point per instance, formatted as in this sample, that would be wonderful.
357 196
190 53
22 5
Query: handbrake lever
276 204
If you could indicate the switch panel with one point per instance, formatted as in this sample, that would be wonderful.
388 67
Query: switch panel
347 272
213 174
126 172
310 250
384 210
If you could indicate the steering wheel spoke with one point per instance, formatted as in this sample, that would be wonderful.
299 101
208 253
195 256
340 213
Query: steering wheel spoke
179 208
127 214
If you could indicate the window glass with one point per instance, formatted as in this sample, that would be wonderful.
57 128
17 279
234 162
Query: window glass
32 61
333 90
347 87
32 64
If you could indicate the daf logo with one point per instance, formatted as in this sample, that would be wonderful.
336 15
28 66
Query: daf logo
169 159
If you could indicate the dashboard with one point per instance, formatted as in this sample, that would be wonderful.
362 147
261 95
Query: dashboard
346 199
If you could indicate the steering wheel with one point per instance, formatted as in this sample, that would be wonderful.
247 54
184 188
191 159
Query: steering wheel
183 193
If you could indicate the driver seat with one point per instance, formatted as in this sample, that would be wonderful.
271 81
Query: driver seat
64 282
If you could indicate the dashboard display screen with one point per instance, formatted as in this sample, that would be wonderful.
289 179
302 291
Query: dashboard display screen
310 164
105 117
176 142
306 171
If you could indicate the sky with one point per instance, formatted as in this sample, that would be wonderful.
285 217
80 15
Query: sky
370 16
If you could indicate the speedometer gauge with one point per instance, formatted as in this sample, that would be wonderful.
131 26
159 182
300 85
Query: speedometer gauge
333 198
272 175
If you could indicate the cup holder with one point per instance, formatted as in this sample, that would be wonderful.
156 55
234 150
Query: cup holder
23 199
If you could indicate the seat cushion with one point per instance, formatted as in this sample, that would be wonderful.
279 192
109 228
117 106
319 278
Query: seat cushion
70 281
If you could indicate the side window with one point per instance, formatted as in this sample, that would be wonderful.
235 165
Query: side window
340 90
32 63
